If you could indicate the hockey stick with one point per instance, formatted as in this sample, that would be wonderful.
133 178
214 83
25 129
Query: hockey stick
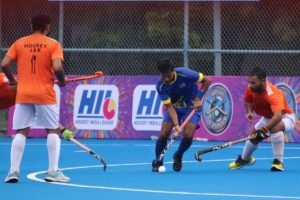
90 152
97 74
162 154
220 146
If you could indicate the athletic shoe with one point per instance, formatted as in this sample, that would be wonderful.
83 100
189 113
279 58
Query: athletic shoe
12 177
177 164
239 162
156 164
277 166
57 177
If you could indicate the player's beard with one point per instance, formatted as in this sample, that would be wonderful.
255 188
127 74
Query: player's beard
258 89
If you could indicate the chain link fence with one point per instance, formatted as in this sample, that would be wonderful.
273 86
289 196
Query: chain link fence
128 37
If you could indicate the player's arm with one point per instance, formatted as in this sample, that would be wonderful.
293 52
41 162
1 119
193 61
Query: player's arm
277 117
262 132
277 105
249 111
206 82
249 104
166 100
59 71
276 101
173 116
57 63
5 66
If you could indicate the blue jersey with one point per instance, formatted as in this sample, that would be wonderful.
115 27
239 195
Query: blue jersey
182 91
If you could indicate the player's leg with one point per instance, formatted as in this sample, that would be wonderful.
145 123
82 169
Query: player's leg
184 145
47 117
250 146
162 140
187 139
277 140
53 145
23 118
161 143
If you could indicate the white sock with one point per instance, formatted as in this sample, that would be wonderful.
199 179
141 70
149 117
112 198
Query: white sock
16 153
277 140
249 148
53 144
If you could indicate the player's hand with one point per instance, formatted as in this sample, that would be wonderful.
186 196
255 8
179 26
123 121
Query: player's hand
67 134
177 131
250 117
261 133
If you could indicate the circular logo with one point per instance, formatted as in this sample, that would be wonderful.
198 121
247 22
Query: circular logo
289 94
217 109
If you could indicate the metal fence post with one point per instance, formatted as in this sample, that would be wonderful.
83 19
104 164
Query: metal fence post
217 38
186 34
61 23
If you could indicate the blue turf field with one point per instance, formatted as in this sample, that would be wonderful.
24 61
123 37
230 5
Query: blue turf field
129 173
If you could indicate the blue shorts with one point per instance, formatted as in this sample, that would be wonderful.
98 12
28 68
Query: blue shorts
182 114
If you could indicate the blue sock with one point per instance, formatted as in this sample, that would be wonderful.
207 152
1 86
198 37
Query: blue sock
184 145
160 145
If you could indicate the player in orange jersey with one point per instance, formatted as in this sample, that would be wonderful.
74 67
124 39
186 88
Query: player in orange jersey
8 98
39 58
277 118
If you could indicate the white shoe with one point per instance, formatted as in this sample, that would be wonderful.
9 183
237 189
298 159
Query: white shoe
12 177
57 177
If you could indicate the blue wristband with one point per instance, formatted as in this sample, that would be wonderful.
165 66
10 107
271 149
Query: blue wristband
200 93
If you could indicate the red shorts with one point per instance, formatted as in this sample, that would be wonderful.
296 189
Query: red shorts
7 96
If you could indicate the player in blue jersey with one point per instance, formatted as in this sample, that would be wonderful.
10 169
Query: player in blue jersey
179 92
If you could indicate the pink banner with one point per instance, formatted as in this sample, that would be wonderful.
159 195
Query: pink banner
128 107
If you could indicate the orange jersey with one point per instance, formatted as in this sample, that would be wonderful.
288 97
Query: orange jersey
34 55
270 100
7 93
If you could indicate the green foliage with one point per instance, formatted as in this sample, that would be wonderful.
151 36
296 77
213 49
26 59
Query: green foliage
164 29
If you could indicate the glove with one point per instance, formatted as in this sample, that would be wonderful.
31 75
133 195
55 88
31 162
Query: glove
67 134
261 133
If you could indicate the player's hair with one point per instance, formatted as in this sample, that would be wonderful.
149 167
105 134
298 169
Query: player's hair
259 72
39 22
165 65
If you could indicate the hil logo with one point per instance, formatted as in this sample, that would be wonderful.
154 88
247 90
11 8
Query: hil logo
146 109
96 107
